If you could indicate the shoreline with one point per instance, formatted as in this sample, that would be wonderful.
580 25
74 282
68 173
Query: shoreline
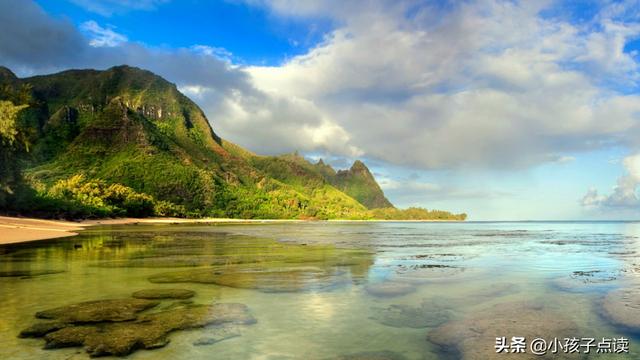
16 230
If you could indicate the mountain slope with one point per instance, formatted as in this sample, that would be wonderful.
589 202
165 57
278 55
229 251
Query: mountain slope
359 183
90 130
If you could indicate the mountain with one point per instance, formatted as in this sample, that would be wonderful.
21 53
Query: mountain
125 141
359 183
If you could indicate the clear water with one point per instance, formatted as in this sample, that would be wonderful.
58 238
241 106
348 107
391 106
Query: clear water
318 299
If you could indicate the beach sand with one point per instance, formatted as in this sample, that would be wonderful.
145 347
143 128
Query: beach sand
18 230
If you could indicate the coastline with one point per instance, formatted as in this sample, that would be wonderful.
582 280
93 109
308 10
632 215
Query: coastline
15 230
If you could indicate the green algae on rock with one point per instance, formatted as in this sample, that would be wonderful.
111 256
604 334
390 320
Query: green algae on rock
69 336
148 331
28 273
98 311
158 294
291 279
40 329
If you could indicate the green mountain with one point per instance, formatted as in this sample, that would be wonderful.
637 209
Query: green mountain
124 141
359 183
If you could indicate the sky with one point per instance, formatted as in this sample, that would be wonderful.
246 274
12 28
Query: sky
505 110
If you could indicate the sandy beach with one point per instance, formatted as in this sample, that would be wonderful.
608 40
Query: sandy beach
18 230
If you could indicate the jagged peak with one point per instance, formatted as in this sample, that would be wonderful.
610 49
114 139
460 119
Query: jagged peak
359 166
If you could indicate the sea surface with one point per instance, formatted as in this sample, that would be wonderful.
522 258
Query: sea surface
343 290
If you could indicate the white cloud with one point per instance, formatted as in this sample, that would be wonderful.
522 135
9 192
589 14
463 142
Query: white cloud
624 194
412 186
482 83
100 36
219 52
456 87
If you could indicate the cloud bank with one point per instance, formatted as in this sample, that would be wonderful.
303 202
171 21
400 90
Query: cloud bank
477 84
624 194
490 84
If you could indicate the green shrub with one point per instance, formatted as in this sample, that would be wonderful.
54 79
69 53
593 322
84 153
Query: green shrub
95 198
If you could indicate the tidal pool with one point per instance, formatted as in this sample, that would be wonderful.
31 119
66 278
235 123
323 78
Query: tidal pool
336 290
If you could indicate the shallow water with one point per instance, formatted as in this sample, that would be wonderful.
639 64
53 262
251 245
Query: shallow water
321 290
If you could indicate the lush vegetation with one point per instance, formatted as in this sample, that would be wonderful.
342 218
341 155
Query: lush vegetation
414 213
125 142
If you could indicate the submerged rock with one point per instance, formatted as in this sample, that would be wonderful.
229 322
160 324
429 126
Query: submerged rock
474 337
372 355
69 336
622 307
28 273
390 289
98 311
217 334
427 274
148 331
174 261
425 315
164 294
41 329
436 310
584 281
266 280
495 291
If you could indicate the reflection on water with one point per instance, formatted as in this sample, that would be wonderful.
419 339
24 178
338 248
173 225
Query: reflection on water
323 290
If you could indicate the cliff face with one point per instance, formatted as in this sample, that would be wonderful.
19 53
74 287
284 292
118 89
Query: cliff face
129 126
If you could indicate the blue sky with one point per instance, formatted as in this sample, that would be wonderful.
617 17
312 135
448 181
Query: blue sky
252 34
507 110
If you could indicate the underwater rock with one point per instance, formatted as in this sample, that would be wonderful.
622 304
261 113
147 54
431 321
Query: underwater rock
425 315
174 261
217 334
41 329
269 280
28 273
427 274
372 355
436 310
390 289
149 331
69 336
495 291
474 337
98 311
622 307
157 294
584 281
